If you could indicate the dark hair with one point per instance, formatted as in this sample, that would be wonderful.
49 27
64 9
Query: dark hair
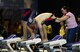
66 8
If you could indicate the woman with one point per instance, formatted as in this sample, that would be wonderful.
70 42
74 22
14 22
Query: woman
71 24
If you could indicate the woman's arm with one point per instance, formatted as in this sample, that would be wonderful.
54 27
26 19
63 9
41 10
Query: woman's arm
63 18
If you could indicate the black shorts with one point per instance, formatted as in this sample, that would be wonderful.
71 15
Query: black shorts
48 22
26 17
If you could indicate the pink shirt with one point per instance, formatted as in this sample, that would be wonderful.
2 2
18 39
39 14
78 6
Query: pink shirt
71 22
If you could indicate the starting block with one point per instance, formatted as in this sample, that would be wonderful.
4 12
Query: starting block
26 44
76 47
1 38
55 43
7 43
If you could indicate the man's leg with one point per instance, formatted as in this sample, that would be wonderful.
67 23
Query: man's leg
41 31
24 24
45 33
31 32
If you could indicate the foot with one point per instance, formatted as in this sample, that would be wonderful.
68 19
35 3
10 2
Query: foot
32 37
23 38
44 41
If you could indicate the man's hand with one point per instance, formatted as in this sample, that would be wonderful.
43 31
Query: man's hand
57 21
53 17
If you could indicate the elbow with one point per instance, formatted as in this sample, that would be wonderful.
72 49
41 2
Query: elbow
61 19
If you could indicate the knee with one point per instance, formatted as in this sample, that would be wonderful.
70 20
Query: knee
40 28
